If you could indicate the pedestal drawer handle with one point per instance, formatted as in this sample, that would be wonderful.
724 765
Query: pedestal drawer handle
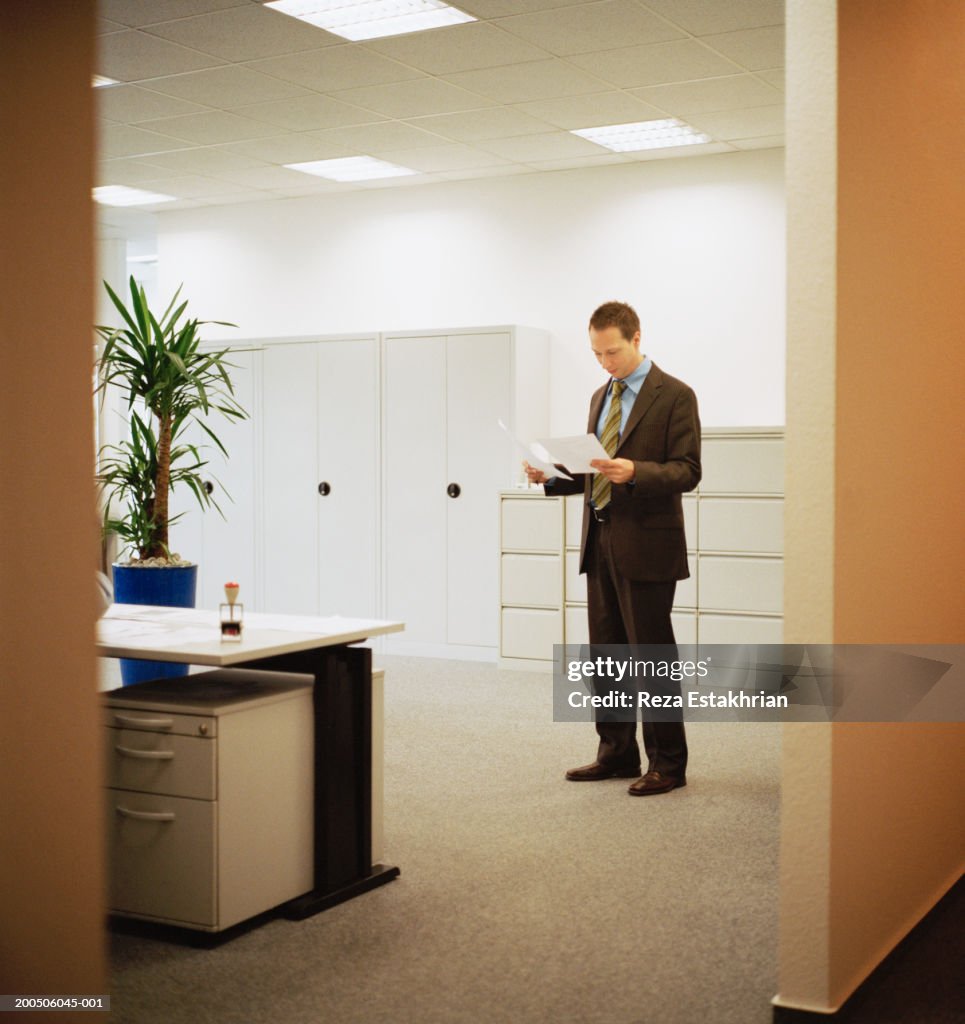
146 815
145 723
146 755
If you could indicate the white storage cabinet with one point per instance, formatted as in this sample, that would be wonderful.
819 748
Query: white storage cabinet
445 459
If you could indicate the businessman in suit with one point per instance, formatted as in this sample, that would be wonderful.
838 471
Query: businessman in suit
633 549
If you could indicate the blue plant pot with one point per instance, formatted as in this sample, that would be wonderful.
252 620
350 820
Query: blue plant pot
174 587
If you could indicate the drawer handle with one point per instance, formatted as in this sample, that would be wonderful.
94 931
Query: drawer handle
146 815
148 723
145 755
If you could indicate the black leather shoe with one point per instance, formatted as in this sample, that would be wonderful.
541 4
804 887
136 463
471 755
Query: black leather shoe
655 782
596 771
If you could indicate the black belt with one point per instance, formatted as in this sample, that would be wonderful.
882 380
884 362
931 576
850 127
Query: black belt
601 515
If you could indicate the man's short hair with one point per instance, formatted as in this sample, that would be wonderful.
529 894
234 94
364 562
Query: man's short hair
616 314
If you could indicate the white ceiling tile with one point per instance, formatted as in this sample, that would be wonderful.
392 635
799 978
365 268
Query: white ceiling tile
104 26
741 124
129 104
754 49
379 138
594 26
118 140
535 80
490 123
245 33
505 8
674 152
501 171
250 195
266 177
572 163
227 87
591 111
290 149
458 48
320 187
336 67
128 172
177 204
149 12
135 56
675 61
775 77
452 157
209 161
763 142
212 127
409 181
411 99
308 113
702 17
548 146
192 186
708 94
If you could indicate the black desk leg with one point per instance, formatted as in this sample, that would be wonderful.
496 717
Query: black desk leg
343 775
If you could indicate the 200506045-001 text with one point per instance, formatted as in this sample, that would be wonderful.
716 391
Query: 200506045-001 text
34 1002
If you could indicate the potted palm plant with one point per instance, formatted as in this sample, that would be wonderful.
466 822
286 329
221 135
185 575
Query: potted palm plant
169 382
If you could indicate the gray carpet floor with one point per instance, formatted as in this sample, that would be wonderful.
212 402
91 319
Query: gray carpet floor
523 898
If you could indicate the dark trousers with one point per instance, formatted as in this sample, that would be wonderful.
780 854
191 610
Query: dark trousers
623 611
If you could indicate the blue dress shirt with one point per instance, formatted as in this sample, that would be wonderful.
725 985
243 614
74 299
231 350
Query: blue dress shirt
633 384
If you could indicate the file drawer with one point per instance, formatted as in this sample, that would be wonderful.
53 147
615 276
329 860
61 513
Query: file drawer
530 632
155 762
531 524
161 857
531 580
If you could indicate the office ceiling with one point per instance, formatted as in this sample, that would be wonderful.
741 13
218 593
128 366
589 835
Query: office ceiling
215 96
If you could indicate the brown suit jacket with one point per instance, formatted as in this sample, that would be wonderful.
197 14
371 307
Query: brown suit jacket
662 438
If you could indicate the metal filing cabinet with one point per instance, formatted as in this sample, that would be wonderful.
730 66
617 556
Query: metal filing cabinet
209 802
734 526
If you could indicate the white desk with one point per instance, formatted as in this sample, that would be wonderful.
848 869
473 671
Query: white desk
342 703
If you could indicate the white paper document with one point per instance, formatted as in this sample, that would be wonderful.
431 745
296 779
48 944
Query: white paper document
574 452
535 454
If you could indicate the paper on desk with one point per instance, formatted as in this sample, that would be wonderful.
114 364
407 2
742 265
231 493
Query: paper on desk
535 454
575 452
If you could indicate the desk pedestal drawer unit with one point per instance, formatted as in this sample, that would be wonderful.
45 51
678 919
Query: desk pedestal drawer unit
210 797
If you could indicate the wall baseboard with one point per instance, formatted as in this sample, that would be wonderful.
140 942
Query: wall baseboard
854 1010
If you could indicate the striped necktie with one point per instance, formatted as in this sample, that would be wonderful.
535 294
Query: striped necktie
609 439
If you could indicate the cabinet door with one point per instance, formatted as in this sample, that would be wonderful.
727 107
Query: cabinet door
290 489
223 545
479 459
229 543
348 446
415 467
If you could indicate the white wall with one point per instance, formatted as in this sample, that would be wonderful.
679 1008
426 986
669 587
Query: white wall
695 244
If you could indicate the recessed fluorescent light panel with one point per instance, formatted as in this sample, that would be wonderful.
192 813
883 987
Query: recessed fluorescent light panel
628 138
352 168
121 195
370 19
99 81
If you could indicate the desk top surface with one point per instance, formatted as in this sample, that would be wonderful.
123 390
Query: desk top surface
193 635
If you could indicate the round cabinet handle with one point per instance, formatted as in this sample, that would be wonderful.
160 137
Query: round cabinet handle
324 488
454 490
208 487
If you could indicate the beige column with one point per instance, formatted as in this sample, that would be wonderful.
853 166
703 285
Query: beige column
872 822
51 854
